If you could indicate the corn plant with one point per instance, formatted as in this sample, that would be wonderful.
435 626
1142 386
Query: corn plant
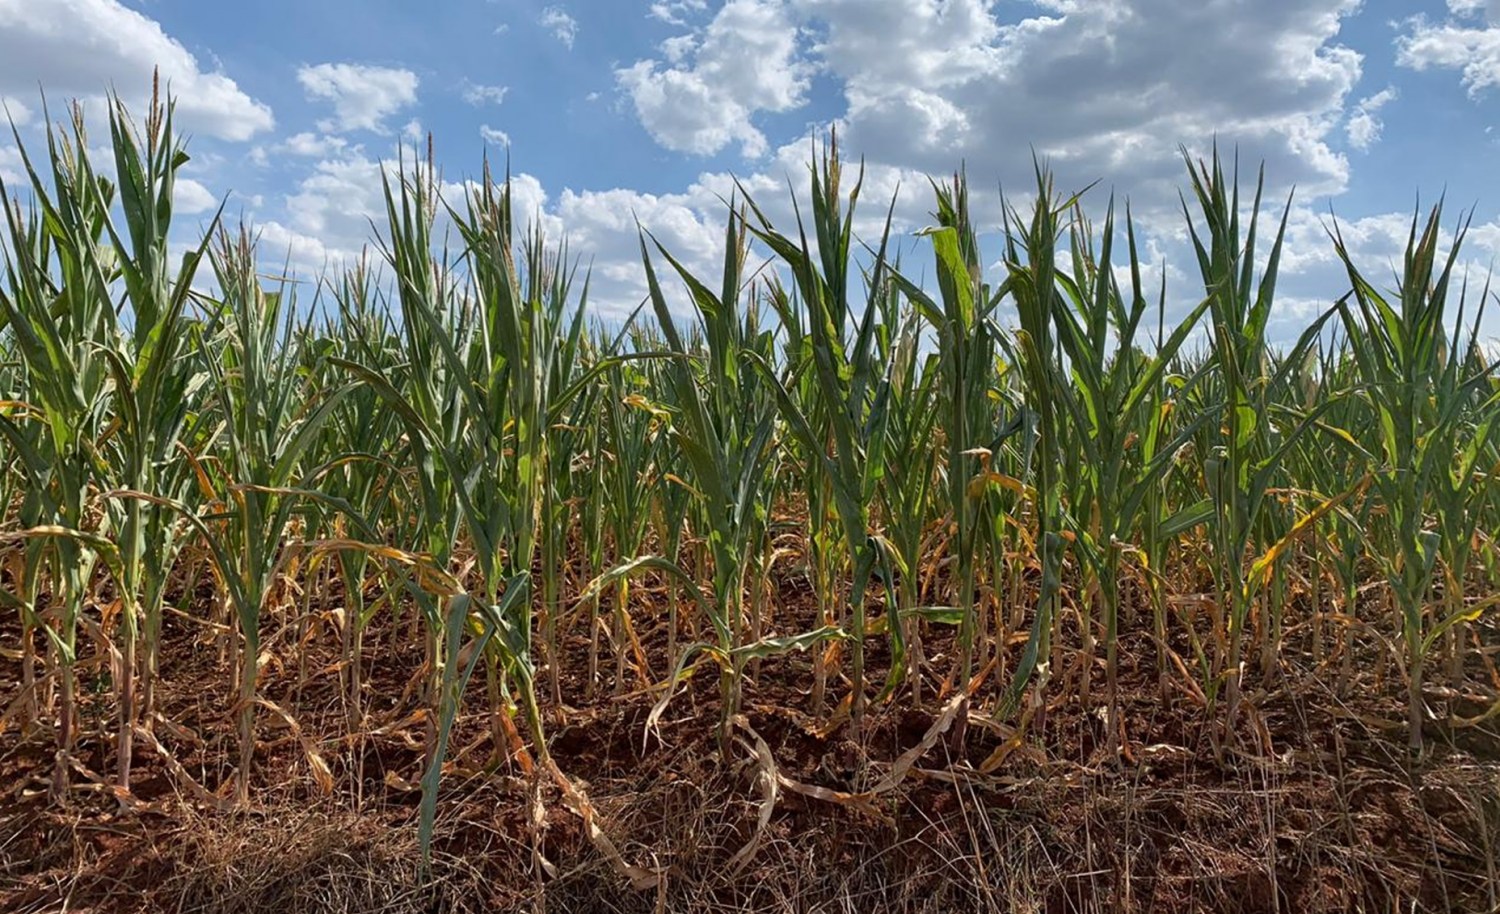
906 495
854 388
357 470
967 347
1435 418
154 386
823 545
1115 387
722 419
566 488
269 421
1032 282
57 304
1241 460
632 444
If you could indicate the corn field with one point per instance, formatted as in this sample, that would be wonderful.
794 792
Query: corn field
982 492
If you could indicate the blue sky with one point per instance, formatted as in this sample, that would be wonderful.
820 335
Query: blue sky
615 110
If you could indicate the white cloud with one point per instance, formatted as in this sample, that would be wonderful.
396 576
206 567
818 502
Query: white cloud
563 27
305 254
1458 44
80 48
744 62
1364 126
601 229
1309 253
11 169
327 219
1490 8
478 94
337 199
1312 276
313 144
494 137
362 96
326 223
600 225
413 130
1102 90
331 215
676 12
16 110
191 197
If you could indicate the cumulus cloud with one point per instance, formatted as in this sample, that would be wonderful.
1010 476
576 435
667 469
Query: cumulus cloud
11 169
1101 89
305 254
191 197
478 94
1377 241
1364 125
326 221
492 136
744 62
332 213
600 225
313 144
80 48
362 96
676 12
1475 7
563 27
16 110
1312 276
1469 42
336 201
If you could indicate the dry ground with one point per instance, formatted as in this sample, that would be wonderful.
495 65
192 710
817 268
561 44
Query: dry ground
1313 809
